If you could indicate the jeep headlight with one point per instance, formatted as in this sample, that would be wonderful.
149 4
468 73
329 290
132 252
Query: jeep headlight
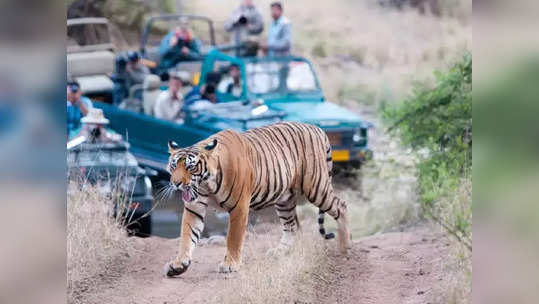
360 136
148 185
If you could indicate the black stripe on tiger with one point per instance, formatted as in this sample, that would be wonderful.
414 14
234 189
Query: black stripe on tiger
195 213
322 229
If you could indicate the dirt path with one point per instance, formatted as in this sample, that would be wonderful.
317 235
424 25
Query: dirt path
399 267
143 280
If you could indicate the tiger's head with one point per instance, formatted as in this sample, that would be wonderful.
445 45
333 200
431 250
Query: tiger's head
190 168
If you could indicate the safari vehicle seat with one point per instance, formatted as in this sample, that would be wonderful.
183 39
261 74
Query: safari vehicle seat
151 90
90 69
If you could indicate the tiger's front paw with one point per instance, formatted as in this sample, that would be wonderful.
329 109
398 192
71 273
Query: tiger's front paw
228 266
174 268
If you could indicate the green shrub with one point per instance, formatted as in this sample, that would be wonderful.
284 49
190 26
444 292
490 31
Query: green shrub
437 122
319 50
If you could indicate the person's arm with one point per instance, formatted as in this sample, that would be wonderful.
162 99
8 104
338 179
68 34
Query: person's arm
284 42
83 108
194 48
158 108
231 21
145 70
164 47
84 105
256 23
179 113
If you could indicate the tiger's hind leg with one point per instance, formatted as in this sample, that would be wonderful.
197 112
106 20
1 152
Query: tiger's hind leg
286 211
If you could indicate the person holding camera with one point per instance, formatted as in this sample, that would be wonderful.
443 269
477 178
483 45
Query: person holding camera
93 128
245 20
77 105
178 45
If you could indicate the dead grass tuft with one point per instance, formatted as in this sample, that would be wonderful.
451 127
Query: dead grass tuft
284 279
97 242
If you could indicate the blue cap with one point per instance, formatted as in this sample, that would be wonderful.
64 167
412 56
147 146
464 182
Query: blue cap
73 86
133 56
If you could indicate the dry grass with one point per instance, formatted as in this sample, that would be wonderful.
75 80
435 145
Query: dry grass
284 279
97 242
460 275
459 263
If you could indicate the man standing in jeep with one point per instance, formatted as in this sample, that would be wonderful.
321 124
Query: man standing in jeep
279 34
245 20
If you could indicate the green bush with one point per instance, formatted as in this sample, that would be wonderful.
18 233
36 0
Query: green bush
319 50
437 122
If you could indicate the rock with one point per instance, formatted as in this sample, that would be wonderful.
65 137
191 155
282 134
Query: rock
218 240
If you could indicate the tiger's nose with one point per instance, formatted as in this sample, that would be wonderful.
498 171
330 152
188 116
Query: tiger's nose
177 184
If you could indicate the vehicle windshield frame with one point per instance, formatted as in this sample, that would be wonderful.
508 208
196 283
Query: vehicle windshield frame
283 90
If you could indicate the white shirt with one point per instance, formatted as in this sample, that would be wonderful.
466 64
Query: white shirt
167 108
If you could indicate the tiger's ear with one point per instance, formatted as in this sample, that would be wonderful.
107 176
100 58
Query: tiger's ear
211 145
172 146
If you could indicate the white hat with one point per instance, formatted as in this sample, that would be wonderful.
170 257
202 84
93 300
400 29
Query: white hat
95 116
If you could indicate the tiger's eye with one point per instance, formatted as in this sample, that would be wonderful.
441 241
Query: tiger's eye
191 168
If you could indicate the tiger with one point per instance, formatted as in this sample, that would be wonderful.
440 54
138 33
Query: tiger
274 165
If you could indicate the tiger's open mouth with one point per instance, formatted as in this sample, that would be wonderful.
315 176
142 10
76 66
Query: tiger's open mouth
188 195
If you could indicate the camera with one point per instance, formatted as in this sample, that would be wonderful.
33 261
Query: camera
242 20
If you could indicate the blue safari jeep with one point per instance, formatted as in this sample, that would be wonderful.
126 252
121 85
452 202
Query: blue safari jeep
270 89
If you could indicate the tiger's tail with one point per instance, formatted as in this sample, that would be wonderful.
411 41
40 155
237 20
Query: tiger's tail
329 161
322 229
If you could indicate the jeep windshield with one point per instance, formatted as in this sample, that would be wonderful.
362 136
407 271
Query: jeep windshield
280 77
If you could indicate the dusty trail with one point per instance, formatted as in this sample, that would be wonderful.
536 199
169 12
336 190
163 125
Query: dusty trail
398 267
143 280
